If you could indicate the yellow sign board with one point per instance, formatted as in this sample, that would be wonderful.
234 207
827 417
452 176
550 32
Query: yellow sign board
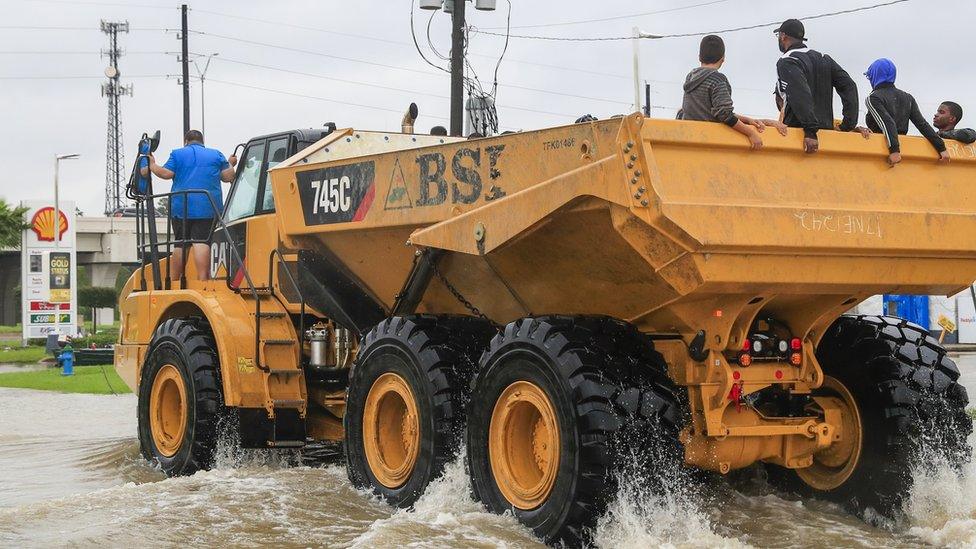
947 324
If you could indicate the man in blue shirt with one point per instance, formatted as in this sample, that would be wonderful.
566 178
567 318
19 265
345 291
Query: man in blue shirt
194 167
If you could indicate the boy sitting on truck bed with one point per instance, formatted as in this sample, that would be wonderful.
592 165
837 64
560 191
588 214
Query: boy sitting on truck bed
708 95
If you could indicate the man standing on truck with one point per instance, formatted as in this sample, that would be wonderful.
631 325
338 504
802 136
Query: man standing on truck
890 109
945 120
806 82
194 167
708 95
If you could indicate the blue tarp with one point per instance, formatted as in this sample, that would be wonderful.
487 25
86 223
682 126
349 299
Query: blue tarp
914 308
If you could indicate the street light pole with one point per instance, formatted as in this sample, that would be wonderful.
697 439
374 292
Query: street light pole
203 75
638 35
57 211
57 223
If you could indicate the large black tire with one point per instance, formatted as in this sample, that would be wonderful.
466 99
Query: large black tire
186 345
912 408
616 409
435 356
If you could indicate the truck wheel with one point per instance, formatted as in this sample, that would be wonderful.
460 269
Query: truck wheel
906 408
558 404
180 400
405 408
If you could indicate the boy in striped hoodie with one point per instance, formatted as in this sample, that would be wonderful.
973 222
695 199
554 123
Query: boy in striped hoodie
708 95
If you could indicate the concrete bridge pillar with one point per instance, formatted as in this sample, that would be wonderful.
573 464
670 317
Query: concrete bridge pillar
9 280
104 274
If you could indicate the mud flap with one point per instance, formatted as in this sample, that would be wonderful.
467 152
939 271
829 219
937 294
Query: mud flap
257 430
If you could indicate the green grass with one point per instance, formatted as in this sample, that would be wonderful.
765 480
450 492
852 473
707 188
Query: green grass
16 329
87 379
22 355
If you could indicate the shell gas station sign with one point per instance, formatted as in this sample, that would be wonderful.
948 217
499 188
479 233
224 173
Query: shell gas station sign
49 283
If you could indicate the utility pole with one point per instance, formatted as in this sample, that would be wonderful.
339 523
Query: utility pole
185 59
457 68
113 90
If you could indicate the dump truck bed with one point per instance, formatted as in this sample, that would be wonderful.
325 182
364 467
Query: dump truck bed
639 219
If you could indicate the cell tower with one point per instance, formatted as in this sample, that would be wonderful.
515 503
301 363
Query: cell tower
113 90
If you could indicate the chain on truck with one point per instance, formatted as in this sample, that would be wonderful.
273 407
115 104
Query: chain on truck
648 295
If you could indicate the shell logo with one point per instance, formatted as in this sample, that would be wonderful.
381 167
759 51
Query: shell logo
43 224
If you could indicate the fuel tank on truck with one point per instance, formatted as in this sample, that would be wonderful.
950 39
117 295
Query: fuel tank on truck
641 219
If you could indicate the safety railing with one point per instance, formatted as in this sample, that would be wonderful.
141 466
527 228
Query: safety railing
149 248
275 253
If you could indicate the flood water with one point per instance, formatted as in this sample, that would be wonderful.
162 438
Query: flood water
71 474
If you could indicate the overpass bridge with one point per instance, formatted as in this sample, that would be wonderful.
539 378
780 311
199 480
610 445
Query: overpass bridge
103 243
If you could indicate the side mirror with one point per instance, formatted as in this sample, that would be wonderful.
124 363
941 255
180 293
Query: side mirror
154 142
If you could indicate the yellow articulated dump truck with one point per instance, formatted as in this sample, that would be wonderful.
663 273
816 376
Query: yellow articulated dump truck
560 305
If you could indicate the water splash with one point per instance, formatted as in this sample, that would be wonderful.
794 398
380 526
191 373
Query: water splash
230 455
671 515
446 515
941 507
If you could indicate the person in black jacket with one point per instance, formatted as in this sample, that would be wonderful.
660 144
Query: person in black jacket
946 117
890 109
806 82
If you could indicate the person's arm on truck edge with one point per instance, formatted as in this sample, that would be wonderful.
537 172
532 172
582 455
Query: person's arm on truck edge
923 126
962 135
847 90
799 100
720 95
886 124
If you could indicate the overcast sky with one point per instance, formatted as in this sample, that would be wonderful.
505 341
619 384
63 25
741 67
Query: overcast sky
354 52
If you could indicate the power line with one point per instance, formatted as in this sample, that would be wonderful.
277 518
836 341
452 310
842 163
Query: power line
319 98
37 27
404 43
326 77
404 90
311 52
115 4
616 18
354 60
373 107
78 77
79 52
687 34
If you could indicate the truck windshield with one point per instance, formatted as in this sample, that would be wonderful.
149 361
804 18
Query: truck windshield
277 153
243 197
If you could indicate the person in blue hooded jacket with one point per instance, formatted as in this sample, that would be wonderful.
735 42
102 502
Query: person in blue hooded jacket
890 110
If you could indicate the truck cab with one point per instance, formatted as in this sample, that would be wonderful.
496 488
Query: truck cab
249 207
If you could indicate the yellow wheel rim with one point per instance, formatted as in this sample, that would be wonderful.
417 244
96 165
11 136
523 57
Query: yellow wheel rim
168 410
834 465
391 430
523 445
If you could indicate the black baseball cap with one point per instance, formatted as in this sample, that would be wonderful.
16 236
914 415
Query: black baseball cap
792 27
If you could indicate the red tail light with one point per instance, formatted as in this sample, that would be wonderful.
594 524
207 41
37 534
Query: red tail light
796 344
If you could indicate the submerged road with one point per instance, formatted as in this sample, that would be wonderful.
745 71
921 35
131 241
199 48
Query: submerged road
71 474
